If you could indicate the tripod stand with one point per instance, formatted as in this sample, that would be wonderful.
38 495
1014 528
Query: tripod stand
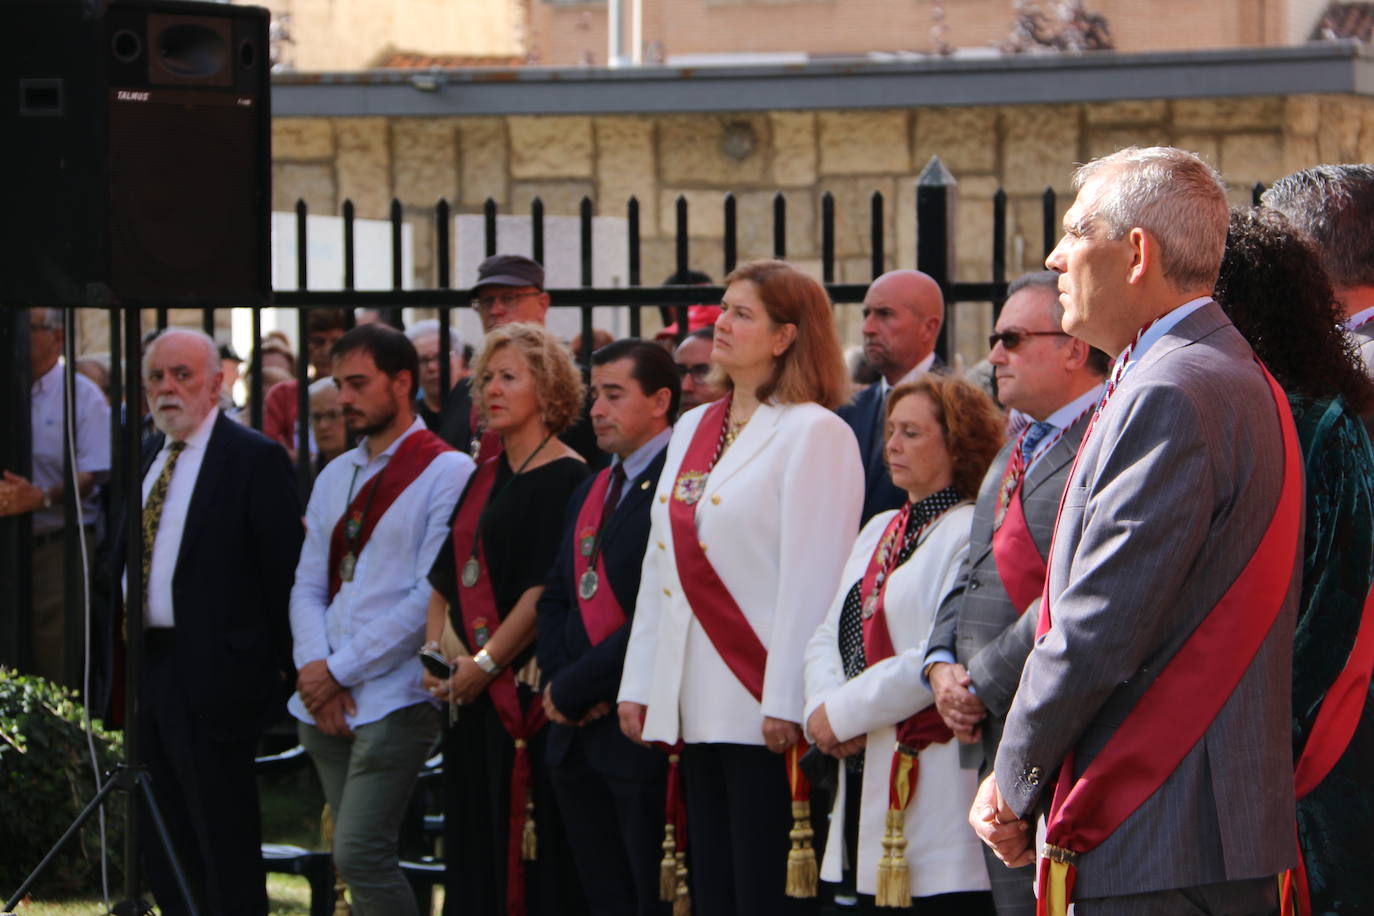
131 777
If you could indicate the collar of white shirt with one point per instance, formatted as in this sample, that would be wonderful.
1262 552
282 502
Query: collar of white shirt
1357 319
50 377
359 456
916 372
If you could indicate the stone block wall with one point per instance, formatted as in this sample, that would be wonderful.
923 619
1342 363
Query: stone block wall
658 158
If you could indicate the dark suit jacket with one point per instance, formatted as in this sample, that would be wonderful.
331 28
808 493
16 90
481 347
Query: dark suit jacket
232 583
582 674
977 622
864 415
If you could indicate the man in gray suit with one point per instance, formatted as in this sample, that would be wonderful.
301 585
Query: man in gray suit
1180 482
1333 205
985 627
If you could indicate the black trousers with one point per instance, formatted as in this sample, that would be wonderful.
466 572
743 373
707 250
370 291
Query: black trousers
479 756
207 791
739 814
615 828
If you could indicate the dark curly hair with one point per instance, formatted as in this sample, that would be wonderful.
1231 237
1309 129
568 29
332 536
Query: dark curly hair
1274 289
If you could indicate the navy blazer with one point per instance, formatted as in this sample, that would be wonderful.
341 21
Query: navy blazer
231 588
583 675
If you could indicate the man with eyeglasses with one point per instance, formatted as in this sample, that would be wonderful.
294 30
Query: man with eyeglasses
693 359
444 413
983 633
55 651
903 311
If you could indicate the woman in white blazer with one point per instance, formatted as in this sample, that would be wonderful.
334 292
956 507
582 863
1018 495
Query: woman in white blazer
942 433
761 491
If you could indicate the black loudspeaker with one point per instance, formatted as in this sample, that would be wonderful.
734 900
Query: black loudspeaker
140 132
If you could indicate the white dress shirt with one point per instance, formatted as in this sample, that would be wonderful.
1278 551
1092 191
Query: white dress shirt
167 545
916 372
369 633
92 441
1358 319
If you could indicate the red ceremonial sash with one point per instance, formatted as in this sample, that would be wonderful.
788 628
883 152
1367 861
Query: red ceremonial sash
1019 563
711 602
1179 706
408 462
1337 717
601 614
481 619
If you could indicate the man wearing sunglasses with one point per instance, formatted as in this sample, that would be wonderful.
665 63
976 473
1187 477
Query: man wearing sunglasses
693 359
982 633
903 311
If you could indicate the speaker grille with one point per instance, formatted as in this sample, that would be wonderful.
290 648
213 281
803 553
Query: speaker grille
184 195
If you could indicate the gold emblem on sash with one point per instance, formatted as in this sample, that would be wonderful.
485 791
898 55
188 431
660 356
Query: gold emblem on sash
347 565
586 541
690 487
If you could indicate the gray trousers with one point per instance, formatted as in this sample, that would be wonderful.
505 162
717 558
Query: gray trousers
1251 897
367 781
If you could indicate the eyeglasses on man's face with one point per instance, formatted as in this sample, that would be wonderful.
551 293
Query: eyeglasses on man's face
505 300
698 371
1012 339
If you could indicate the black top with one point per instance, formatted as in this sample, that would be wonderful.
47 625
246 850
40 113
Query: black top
521 526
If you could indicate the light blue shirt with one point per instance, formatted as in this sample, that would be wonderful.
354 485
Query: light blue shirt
1163 325
641 458
369 633
1063 418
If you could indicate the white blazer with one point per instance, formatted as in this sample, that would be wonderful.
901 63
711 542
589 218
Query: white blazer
942 851
777 517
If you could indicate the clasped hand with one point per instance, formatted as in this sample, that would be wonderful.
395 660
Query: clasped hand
961 710
466 684
824 734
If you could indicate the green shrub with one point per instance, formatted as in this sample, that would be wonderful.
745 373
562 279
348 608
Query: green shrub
45 781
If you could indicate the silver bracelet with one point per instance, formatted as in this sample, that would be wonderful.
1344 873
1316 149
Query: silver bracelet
486 663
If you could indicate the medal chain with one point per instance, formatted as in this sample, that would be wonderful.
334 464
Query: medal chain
495 494
354 527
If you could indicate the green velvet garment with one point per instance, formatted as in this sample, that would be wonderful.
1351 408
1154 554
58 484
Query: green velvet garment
1335 819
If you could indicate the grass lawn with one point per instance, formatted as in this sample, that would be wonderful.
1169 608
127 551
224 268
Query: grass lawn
291 805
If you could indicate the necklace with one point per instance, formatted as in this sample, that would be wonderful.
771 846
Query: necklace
473 567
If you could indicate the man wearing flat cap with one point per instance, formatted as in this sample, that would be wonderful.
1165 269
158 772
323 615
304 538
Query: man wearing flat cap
510 288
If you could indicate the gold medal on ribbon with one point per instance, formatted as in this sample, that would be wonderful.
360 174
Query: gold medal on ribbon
347 565
587 585
471 570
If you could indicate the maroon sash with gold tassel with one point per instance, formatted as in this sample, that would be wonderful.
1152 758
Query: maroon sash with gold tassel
481 619
408 462
1177 709
602 614
727 627
915 733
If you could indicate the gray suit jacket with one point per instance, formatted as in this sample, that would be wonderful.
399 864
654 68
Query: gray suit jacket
1167 504
977 621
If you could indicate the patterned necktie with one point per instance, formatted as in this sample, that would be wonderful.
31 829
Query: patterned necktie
152 511
1034 436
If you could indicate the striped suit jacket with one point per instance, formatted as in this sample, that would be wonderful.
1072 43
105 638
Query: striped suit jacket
977 622
1167 504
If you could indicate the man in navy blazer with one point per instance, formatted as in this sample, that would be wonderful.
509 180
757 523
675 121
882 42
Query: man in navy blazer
222 531
610 790
903 311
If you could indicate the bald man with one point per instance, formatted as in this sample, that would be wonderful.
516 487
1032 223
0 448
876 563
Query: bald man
903 311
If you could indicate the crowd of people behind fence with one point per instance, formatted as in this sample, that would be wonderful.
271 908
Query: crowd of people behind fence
705 626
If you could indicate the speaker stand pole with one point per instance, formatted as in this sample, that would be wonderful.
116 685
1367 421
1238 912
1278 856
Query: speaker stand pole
132 776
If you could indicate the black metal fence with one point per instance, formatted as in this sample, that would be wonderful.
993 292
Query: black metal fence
934 219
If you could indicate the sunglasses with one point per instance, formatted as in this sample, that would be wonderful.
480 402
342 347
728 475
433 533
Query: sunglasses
1010 340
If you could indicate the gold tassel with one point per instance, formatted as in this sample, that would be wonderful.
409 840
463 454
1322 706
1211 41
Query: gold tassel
667 867
802 873
682 897
894 876
529 841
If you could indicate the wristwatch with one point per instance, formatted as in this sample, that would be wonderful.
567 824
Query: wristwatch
47 498
486 663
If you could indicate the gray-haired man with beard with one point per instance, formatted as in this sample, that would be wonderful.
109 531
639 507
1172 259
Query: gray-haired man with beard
221 532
